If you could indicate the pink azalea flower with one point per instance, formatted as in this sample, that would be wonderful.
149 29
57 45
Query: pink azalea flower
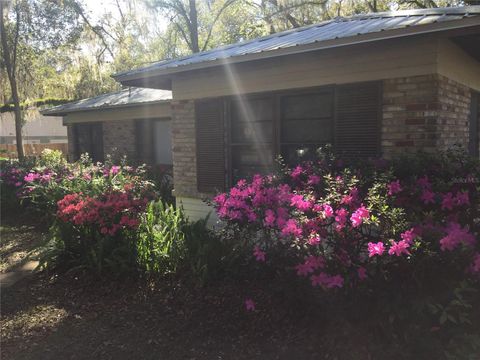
408 236
359 215
269 218
31 177
375 249
455 236
394 187
291 228
399 248
428 197
314 239
300 203
314 180
424 182
362 273
249 305
462 198
296 172
259 254
448 201
114 169
327 211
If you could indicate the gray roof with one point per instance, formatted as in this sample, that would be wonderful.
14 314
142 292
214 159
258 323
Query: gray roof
123 98
335 29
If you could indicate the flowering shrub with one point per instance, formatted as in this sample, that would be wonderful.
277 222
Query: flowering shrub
343 226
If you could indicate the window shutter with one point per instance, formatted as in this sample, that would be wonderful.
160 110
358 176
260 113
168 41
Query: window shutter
210 145
357 121
474 120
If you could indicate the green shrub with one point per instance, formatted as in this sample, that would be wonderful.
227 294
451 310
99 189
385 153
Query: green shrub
160 239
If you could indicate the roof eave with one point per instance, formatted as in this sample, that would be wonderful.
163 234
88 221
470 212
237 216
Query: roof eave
52 112
143 76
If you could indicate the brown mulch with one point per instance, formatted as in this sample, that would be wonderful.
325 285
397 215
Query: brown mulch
49 318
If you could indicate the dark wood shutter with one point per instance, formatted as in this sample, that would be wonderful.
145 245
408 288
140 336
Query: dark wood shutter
473 128
357 120
210 145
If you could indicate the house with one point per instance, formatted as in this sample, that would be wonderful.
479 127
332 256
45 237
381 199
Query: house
134 122
370 85
38 133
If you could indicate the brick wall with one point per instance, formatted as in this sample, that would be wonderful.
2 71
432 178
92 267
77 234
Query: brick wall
410 114
428 112
71 143
119 139
454 113
184 148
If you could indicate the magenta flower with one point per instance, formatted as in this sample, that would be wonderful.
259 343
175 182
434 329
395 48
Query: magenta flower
424 182
314 239
394 187
448 201
408 236
300 203
291 228
327 211
455 236
375 249
399 248
462 198
314 180
269 218
31 177
249 305
428 197
362 273
259 254
359 215
114 170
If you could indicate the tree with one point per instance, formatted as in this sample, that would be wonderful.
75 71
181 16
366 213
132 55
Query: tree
32 26
184 15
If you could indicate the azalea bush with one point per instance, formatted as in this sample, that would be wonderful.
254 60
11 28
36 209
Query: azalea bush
403 231
343 226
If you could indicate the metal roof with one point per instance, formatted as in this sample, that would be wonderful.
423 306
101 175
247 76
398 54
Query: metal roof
126 97
338 28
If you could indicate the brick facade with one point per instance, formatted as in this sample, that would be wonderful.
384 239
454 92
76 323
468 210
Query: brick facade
184 148
428 112
454 113
71 143
119 139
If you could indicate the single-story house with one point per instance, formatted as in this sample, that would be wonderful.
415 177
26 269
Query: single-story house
371 85
135 122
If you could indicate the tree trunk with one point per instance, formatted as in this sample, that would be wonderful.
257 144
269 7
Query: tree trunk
10 67
193 26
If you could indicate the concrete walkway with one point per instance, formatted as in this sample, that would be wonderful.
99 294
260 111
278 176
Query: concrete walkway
10 278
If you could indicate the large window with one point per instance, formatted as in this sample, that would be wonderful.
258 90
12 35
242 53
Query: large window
251 136
88 138
237 137
154 141
294 126
306 124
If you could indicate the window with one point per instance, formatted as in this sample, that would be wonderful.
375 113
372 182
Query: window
474 124
256 128
153 141
88 138
251 136
306 124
